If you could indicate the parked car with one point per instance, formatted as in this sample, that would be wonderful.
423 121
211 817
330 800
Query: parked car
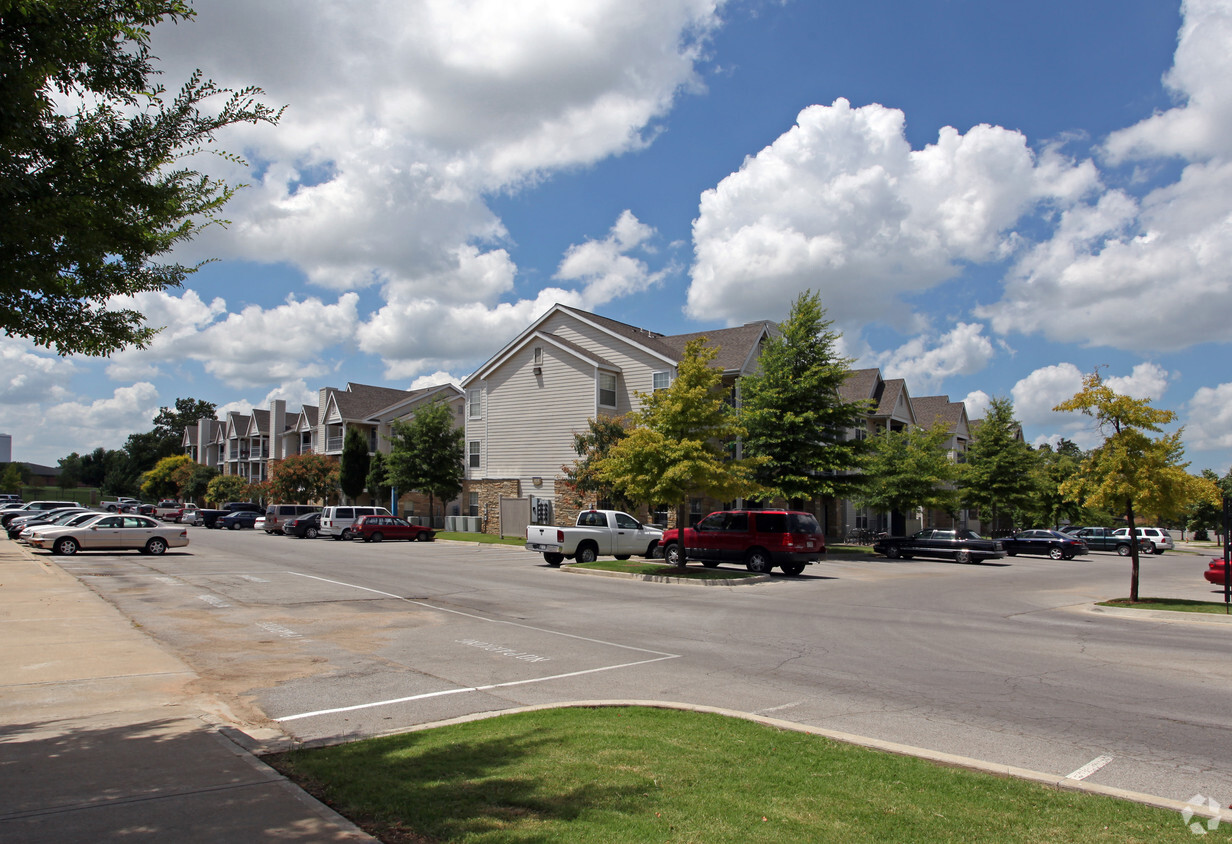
8 514
1159 538
45 517
339 522
277 515
760 539
305 527
7 498
1051 543
597 533
70 519
189 514
111 532
1106 539
167 509
239 519
961 546
119 504
377 528
209 518
1216 572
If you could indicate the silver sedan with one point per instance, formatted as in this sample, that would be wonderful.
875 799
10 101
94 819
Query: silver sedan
111 532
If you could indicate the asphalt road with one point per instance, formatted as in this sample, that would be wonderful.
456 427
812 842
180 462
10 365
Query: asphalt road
1003 662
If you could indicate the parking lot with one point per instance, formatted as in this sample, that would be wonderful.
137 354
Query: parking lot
1004 662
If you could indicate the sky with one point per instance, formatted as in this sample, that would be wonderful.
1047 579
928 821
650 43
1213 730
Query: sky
991 199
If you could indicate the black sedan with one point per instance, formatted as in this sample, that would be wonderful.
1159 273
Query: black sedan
307 526
238 519
1050 543
961 546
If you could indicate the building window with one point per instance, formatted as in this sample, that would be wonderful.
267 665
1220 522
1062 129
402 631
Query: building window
607 389
538 356
474 504
474 454
474 401
662 380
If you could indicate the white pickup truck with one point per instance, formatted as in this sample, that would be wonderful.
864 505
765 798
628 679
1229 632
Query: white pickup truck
120 504
597 533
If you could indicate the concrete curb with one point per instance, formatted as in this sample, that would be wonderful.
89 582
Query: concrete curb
1166 616
654 578
1061 783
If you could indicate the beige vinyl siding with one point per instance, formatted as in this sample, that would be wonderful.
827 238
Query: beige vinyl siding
637 367
530 420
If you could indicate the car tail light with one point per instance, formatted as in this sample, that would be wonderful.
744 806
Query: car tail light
184 534
560 537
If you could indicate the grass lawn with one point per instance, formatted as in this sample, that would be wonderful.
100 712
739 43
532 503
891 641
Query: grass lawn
1174 604
482 538
664 570
639 774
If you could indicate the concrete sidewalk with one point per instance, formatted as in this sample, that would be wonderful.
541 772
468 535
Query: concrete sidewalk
103 739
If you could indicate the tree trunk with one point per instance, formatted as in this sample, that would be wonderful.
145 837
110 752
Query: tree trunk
681 523
1133 551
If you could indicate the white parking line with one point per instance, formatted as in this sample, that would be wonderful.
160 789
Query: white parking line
659 656
1089 768
214 601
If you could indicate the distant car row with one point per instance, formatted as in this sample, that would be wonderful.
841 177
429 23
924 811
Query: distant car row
966 546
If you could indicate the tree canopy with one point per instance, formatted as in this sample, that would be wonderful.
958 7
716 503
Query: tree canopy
426 454
353 477
168 477
224 488
997 477
909 469
794 415
303 478
90 197
581 481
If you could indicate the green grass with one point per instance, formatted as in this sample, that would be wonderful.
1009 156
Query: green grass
482 538
640 774
1173 604
664 570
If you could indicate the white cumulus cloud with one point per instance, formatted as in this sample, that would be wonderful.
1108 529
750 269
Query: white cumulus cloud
926 361
1209 424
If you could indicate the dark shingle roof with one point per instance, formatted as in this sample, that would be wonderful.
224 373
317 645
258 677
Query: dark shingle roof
929 409
859 384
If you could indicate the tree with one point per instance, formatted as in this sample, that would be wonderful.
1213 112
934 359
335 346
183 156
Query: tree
302 478
426 454
88 199
168 477
794 414
997 476
70 471
907 470
170 424
226 488
678 443
10 478
94 467
355 461
581 481
199 482
1051 469
1131 471
378 478
1204 514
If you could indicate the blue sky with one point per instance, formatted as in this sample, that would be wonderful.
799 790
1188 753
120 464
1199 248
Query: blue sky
991 199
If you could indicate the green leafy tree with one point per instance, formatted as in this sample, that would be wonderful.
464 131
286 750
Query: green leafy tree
226 488
378 478
355 462
580 482
426 454
1131 471
1205 514
168 477
909 469
1052 467
70 471
89 198
794 415
94 467
678 443
170 424
10 478
303 478
198 482
997 477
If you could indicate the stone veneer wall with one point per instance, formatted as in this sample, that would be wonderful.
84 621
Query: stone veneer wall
490 493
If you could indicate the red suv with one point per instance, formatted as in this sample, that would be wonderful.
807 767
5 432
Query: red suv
376 528
761 539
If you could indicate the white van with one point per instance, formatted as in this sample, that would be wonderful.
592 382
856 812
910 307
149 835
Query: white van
336 522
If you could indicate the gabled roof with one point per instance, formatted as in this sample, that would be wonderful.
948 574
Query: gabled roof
414 397
938 408
359 401
860 384
236 424
258 424
306 419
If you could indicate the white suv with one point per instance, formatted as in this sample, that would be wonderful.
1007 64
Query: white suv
337 522
1158 537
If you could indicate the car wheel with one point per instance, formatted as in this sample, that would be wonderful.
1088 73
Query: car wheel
1056 553
962 556
671 554
111 509
1123 550
622 557
423 536
157 545
710 564
553 559
792 568
311 533
1010 553
587 554
1158 550
758 561
346 534
892 552
378 536
66 545
234 526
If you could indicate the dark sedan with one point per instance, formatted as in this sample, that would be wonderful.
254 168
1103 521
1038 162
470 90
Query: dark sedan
961 546
238 519
305 527
1049 543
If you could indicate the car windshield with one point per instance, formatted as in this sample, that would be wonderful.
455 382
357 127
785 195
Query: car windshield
969 534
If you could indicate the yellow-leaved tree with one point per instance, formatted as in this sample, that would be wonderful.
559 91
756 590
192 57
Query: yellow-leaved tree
1132 472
